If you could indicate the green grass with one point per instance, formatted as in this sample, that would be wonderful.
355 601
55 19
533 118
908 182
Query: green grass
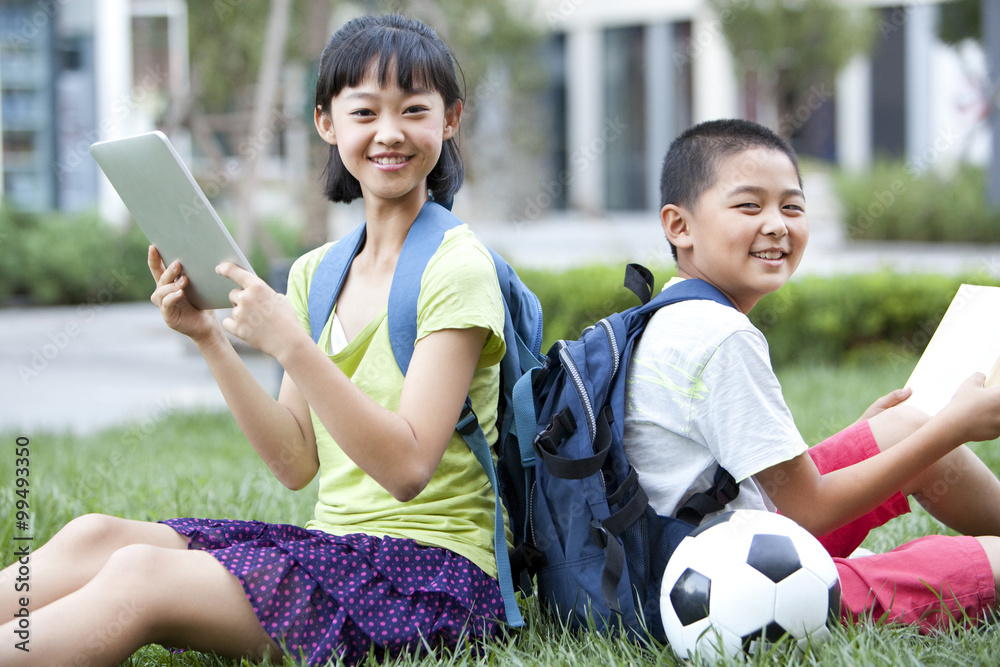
199 465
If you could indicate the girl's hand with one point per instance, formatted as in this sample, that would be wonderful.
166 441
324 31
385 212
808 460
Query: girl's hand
892 399
261 317
169 297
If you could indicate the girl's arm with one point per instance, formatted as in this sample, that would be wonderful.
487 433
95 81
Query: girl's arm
400 450
280 431
822 503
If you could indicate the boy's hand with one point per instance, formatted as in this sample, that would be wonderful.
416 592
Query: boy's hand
169 297
975 409
261 317
892 399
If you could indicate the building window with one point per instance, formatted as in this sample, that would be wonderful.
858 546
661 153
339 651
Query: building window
625 123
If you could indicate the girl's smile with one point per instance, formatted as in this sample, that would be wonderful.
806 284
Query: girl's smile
388 138
390 162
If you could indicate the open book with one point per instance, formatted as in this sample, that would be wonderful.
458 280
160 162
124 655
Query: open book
966 341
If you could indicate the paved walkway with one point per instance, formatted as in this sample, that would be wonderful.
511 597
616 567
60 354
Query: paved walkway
79 369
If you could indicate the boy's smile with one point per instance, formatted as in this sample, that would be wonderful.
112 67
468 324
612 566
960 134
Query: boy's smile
745 234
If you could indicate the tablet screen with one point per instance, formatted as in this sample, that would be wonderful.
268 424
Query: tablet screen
173 212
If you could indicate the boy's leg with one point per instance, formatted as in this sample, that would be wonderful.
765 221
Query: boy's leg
143 595
959 489
75 554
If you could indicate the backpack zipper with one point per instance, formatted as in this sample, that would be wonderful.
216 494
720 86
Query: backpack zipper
610 332
581 389
615 361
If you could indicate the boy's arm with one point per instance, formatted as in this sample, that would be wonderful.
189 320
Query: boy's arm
822 503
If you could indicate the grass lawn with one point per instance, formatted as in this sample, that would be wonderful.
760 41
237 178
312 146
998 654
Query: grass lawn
199 465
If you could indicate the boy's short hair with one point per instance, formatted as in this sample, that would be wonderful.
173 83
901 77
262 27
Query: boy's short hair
693 159
692 162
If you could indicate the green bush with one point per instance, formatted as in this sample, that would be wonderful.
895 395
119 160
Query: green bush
857 317
58 258
63 259
893 202
846 319
578 297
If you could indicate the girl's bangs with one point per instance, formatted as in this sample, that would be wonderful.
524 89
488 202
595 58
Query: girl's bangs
415 65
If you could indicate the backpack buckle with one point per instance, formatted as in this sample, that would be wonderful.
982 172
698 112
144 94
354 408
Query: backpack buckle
468 422
559 429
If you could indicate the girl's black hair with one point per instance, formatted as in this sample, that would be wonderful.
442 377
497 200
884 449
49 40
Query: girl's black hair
392 43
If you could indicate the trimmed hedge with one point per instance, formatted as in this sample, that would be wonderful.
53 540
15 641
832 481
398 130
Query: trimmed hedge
62 259
59 259
847 319
894 201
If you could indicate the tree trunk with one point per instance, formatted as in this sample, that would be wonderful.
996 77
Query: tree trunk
315 204
264 124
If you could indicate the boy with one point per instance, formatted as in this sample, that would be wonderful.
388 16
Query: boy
702 394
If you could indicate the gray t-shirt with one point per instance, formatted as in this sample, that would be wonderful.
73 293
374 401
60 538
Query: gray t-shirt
701 392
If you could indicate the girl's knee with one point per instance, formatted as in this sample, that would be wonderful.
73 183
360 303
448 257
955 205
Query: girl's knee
991 545
895 424
92 528
133 562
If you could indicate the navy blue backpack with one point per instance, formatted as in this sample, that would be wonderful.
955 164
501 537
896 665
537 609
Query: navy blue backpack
601 549
522 335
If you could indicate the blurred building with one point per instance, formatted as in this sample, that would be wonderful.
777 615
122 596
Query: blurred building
76 72
629 75
624 78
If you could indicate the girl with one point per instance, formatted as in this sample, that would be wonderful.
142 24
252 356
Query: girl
399 551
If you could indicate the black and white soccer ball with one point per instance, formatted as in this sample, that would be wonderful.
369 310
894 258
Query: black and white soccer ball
745 579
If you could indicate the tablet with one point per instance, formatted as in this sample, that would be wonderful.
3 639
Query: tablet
173 212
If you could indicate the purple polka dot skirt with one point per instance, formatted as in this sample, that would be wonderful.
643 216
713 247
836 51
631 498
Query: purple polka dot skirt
321 596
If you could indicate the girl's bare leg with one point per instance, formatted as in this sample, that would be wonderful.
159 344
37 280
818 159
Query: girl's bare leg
144 594
75 554
959 489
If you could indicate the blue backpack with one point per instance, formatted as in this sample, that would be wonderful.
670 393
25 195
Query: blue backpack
601 549
522 335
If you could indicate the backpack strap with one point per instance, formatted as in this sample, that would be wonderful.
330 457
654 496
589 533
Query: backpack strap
724 488
422 241
473 435
686 290
329 278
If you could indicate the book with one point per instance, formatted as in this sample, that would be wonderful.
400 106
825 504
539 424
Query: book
965 342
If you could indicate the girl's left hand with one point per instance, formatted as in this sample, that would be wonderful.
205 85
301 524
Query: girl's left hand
260 317
893 398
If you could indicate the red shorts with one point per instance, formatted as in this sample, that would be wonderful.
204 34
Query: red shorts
929 581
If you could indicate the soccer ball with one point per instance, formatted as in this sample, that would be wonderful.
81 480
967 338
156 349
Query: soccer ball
745 579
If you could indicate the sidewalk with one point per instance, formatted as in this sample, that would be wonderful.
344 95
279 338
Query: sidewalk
80 369
83 368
